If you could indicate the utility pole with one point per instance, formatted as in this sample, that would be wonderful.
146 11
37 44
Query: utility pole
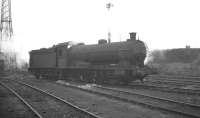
108 6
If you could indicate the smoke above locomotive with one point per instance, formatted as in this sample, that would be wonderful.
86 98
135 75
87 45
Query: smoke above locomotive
102 60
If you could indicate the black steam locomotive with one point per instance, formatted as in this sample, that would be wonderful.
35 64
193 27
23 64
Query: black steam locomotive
116 62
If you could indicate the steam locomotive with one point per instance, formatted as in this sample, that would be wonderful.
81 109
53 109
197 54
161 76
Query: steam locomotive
115 62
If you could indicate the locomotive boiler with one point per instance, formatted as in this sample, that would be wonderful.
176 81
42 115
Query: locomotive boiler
116 62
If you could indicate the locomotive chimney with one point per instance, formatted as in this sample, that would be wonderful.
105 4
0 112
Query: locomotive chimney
133 35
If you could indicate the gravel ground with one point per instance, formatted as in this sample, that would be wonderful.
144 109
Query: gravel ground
173 82
193 99
173 85
12 107
45 105
172 106
105 107
195 78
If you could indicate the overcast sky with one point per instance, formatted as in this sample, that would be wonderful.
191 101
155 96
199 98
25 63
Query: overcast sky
160 23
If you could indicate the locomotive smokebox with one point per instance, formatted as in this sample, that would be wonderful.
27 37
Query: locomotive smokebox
133 35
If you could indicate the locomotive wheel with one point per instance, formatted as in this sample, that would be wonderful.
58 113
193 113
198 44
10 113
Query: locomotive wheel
88 77
100 77
37 76
125 82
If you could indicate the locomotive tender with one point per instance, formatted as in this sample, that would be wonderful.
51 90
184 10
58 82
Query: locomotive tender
103 62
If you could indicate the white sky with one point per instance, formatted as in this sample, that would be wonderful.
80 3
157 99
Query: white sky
160 23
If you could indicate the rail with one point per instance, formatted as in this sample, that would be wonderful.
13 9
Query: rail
24 101
60 99
196 115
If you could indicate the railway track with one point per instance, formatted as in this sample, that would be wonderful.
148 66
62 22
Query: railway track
164 88
13 105
22 99
195 78
185 109
78 112
173 80
176 81
162 104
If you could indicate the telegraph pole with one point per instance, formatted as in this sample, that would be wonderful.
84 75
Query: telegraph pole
108 6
